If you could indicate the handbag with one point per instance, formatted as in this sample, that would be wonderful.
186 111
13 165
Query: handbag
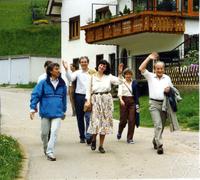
85 107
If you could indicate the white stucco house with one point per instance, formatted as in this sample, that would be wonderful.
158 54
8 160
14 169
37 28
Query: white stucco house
126 30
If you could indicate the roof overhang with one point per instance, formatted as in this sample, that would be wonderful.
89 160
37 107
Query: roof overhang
54 8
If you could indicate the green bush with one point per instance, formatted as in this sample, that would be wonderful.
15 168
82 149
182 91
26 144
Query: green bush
10 158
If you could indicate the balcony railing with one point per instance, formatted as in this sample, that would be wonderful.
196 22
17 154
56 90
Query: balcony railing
148 21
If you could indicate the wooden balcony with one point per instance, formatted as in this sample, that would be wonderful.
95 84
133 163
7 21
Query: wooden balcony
148 21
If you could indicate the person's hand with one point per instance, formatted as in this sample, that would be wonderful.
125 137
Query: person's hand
65 65
32 115
88 104
120 68
122 103
167 89
154 56
64 116
137 108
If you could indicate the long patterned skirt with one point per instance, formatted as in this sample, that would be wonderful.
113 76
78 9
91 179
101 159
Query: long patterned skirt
101 121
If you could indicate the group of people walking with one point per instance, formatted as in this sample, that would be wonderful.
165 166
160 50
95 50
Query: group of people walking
94 104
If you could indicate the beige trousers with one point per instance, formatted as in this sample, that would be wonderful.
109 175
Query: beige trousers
159 119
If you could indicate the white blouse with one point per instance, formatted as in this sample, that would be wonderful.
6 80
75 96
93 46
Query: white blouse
123 89
102 84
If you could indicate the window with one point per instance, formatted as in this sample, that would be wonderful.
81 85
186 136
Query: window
195 5
99 57
166 5
142 4
185 6
103 13
74 28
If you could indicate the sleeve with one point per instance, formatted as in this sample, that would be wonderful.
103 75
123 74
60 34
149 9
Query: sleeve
147 74
120 90
88 88
116 80
65 99
36 95
71 76
170 82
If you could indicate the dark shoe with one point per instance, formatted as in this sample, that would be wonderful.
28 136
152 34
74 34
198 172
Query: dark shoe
130 141
101 149
160 150
154 144
82 140
51 157
119 136
93 145
89 141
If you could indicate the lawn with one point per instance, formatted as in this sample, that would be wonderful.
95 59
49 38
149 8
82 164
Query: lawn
10 158
188 111
19 36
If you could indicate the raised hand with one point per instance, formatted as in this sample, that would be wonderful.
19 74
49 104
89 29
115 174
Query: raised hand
65 64
120 68
154 56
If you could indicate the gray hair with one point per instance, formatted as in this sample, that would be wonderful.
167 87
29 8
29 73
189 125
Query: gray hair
159 62
127 70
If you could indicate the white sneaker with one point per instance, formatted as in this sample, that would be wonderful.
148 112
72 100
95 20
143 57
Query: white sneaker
51 157
130 141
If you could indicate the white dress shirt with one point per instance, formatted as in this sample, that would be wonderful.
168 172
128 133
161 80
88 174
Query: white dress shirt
123 89
82 80
103 84
41 77
157 85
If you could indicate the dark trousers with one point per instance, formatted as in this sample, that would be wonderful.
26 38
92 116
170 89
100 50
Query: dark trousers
81 115
127 113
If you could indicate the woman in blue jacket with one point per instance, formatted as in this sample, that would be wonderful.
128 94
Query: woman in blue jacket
51 95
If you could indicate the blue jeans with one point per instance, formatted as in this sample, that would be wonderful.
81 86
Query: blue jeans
46 125
81 115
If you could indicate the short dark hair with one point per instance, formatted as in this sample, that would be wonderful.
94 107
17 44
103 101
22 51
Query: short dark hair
50 68
104 62
83 57
75 66
47 63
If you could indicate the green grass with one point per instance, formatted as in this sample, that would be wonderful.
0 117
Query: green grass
31 85
10 158
18 36
35 40
188 111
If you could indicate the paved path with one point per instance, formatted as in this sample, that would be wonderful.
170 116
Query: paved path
77 161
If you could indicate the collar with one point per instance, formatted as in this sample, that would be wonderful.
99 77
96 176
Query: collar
155 76
54 80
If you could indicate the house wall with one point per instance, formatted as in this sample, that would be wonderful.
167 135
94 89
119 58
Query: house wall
191 26
76 48
22 70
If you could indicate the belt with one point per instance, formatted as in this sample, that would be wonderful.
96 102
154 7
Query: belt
101 93
156 100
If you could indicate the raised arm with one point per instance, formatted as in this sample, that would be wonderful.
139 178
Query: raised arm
70 76
152 56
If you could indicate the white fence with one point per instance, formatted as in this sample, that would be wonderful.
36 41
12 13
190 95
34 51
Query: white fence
22 69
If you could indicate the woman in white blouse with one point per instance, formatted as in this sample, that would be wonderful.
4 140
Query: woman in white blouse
98 94
128 105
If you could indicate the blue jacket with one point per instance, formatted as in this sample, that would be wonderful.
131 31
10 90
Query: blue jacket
136 100
52 101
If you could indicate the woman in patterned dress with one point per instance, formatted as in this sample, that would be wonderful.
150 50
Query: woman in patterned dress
98 94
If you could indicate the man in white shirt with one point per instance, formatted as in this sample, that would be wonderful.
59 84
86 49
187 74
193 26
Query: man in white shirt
82 77
158 83
44 75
